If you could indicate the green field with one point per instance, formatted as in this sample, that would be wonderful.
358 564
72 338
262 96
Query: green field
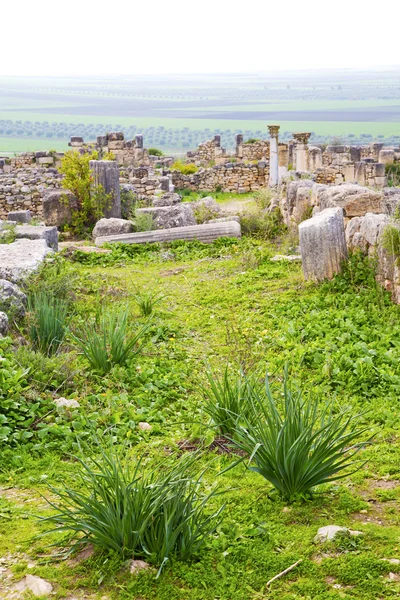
177 113
221 303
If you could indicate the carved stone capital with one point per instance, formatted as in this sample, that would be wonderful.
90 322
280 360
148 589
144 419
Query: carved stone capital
273 130
302 138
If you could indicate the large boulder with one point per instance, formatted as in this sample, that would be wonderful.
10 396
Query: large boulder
355 200
112 226
21 258
167 217
12 300
38 232
58 207
323 244
364 232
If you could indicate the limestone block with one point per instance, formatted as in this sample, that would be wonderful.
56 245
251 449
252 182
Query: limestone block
323 244
204 233
38 232
364 232
112 226
166 217
115 136
21 258
45 160
20 216
106 174
355 200
386 156
58 207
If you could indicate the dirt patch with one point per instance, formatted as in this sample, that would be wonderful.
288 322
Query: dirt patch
171 272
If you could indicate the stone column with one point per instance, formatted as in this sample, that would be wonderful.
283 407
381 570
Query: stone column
273 155
239 145
138 141
106 174
301 150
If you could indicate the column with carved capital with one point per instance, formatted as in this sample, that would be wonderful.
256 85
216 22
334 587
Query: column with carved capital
273 155
301 150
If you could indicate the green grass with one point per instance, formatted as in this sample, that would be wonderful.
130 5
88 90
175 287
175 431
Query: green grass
10 145
223 302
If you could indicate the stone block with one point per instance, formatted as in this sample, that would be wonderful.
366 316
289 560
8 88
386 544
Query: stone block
58 207
38 232
45 160
323 244
115 136
112 226
20 216
21 258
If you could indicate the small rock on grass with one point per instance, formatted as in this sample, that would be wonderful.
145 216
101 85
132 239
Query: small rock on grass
36 585
138 565
328 533
143 426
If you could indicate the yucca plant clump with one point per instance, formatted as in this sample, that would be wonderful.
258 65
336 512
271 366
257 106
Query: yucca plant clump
296 444
47 321
142 512
110 340
228 400
147 301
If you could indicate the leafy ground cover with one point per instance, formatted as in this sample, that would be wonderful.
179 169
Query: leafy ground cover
222 303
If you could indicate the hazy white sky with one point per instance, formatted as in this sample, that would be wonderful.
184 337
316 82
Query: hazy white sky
84 37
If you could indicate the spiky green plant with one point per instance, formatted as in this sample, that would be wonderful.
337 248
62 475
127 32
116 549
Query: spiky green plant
297 444
228 399
110 340
47 316
143 512
147 301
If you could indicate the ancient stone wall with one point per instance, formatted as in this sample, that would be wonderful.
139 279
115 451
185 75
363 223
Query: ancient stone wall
126 153
208 152
229 177
23 189
365 172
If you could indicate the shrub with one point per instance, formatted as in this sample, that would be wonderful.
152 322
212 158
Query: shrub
189 169
143 221
92 200
262 224
150 513
228 400
393 174
47 321
7 234
252 141
128 203
155 152
147 301
109 341
391 240
296 446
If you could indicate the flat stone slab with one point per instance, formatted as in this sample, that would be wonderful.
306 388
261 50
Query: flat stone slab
38 232
21 258
204 233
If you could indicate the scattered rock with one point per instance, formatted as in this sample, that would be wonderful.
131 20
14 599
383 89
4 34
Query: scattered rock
355 200
20 216
3 324
138 565
143 426
85 553
392 561
36 585
328 533
289 257
169 217
225 219
12 300
65 402
364 232
112 226
38 232
206 209
22 258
